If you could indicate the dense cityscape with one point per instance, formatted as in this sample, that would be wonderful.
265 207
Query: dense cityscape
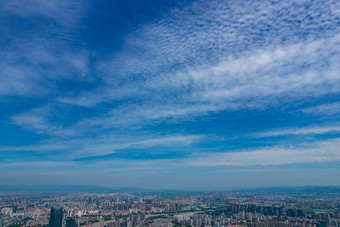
169 209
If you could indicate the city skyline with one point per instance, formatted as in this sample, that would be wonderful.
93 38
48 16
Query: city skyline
170 94
209 209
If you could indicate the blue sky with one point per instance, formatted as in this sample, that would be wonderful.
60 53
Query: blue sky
170 94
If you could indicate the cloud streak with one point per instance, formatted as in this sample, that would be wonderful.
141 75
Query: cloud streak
323 109
298 131
318 152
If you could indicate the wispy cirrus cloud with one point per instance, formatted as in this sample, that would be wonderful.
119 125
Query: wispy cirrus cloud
63 12
232 76
253 80
35 59
38 120
323 109
87 147
318 152
311 130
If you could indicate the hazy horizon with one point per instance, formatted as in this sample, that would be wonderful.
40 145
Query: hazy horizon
71 188
170 94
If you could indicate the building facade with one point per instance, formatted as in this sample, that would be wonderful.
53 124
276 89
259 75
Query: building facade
56 217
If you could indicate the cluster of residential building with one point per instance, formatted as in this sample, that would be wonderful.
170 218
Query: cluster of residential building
162 210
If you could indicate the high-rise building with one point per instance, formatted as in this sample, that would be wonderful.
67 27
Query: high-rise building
14 209
70 222
1 221
56 217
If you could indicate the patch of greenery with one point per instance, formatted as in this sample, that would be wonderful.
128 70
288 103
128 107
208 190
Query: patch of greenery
107 217
121 216
157 217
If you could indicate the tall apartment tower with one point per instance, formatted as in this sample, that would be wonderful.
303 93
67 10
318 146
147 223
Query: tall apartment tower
1 221
14 208
70 222
56 217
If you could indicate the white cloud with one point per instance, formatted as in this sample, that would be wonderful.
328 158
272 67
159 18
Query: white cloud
84 147
206 57
198 60
34 68
64 12
311 130
253 80
318 152
35 59
38 120
323 109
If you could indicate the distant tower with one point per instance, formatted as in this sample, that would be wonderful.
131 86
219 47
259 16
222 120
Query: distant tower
70 222
56 217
